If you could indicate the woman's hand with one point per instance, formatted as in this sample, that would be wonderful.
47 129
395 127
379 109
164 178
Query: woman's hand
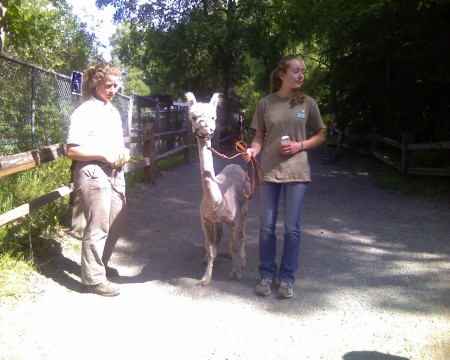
248 155
256 146
123 158
291 148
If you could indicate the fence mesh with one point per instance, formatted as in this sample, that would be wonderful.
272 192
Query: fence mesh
35 107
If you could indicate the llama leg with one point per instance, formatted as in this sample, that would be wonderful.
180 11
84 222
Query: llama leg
217 233
211 251
234 250
241 234
215 240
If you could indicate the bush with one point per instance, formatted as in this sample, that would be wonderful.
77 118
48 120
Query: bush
19 236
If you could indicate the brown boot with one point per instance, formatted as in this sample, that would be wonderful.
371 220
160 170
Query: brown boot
106 288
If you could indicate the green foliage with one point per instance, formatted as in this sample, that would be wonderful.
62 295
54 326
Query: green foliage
134 83
430 158
20 235
31 96
137 176
431 187
46 33
170 162
379 55
246 91
436 188
368 62
15 277
203 47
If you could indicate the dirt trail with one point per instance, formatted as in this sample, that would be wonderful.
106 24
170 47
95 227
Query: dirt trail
373 284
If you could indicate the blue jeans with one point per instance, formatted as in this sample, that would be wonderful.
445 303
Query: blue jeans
293 194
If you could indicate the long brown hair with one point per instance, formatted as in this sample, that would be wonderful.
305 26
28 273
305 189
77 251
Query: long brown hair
94 75
275 81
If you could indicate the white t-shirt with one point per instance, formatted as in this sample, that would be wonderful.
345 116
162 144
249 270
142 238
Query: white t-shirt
97 125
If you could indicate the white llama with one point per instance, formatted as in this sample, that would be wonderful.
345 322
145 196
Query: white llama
223 198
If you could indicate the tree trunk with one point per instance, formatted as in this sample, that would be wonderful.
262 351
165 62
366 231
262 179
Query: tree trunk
3 8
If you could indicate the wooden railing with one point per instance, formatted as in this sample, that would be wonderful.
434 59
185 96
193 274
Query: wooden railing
338 138
12 164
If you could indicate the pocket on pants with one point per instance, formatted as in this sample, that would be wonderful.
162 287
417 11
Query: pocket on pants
119 180
99 182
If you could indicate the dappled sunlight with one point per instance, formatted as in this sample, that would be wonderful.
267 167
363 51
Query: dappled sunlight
336 220
340 173
347 261
373 271
345 236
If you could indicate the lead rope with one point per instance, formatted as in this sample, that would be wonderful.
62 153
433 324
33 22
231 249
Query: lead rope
253 167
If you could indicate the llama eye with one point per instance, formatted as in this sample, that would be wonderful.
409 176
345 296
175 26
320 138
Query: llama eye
194 118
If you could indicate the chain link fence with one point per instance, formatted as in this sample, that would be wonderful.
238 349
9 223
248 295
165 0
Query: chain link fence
36 104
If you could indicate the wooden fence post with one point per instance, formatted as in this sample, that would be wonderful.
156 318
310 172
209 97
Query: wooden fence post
149 151
406 140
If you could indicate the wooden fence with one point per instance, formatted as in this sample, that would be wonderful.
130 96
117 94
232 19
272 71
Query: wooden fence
19 162
338 138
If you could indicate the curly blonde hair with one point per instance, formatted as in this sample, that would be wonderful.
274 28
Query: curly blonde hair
275 81
95 75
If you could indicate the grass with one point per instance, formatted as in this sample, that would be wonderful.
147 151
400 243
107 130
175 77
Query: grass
20 235
431 187
22 240
135 178
15 275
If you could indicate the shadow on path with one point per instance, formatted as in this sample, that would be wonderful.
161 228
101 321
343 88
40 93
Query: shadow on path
370 355
360 244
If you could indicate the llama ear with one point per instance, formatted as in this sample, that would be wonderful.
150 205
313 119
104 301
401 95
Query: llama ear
190 99
214 99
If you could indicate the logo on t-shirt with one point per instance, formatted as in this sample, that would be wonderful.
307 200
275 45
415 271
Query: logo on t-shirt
301 114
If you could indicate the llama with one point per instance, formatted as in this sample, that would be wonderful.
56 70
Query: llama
223 199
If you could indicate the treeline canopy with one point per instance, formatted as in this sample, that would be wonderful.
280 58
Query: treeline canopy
371 62
46 33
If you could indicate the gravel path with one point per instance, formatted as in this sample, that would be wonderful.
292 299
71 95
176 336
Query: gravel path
374 283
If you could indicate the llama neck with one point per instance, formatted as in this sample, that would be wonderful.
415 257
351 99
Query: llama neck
207 173
206 158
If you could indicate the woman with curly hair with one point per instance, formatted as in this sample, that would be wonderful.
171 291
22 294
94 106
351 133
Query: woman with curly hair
287 123
95 143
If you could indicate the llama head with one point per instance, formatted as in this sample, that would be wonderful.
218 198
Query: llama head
203 116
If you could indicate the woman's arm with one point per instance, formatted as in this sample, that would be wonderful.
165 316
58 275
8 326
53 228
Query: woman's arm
314 141
82 153
294 147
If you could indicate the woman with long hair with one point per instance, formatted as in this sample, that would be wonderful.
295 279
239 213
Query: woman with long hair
287 124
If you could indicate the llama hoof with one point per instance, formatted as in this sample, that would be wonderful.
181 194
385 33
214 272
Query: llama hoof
234 275
204 282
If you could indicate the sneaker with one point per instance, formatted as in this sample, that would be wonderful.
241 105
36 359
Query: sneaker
264 288
285 290
106 288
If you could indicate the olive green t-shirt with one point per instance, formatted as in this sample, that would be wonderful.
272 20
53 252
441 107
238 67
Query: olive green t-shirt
275 118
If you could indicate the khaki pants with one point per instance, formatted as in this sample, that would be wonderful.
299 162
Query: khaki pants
102 197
